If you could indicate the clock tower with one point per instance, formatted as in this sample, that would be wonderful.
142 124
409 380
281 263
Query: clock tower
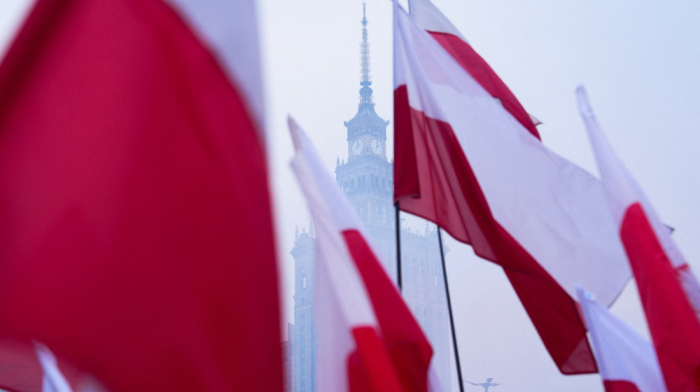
366 178
367 181
366 131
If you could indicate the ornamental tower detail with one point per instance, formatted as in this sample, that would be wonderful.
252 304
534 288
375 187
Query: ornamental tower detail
366 178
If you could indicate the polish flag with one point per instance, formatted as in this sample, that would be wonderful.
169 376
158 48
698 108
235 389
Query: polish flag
667 288
136 235
627 362
359 311
463 161
429 17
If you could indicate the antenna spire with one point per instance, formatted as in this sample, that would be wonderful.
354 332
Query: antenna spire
365 78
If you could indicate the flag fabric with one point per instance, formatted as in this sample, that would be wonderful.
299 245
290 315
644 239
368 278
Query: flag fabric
465 162
136 231
20 369
354 291
32 367
666 286
53 380
626 360
446 34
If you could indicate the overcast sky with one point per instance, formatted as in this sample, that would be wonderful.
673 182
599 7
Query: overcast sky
639 60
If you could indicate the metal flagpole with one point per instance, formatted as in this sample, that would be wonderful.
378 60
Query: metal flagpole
449 309
398 246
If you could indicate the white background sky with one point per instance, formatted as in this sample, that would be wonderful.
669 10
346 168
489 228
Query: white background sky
639 60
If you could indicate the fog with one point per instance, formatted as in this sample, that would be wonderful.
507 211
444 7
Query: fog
639 60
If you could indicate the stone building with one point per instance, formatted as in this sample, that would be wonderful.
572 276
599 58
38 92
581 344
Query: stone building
367 181
302 335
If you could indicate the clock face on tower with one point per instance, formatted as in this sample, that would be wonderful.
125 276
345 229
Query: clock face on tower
357 146
376 146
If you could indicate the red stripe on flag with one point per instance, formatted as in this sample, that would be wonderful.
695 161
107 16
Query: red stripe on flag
454 200
408 347
619 386
418 139
369 366
136 234
482 72
76 379
406 180
674 328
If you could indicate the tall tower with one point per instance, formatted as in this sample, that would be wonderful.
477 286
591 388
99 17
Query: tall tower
367 181
366 178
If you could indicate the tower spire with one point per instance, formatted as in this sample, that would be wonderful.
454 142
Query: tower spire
365 77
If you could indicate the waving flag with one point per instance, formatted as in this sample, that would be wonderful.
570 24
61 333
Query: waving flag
446 34
626 360
136 233
463 161
354 287
666 286
351 354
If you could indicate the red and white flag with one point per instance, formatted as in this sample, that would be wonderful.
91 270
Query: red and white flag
368 338
667 288
136 235
464 161
626 360
444 32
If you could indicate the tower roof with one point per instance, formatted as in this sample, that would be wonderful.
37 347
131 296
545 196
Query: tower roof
366 118
365 77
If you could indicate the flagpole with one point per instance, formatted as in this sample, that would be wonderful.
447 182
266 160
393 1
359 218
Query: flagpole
449 310
398 246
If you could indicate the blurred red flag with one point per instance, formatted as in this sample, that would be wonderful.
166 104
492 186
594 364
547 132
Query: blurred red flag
668 290
136 233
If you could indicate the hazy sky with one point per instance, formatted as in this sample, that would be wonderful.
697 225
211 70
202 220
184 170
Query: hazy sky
639 60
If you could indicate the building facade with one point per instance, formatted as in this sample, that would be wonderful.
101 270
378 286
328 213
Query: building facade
367 181
302 335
